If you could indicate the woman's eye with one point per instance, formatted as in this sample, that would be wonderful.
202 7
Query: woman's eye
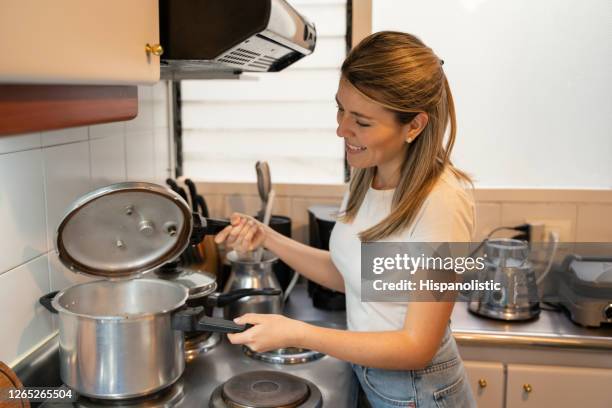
362 124
339 109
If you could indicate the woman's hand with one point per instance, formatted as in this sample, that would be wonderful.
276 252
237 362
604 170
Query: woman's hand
269 332
244 234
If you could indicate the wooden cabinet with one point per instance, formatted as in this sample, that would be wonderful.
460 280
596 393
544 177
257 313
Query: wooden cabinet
487 382
559 387
79 42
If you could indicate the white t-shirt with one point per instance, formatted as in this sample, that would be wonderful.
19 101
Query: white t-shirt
447 215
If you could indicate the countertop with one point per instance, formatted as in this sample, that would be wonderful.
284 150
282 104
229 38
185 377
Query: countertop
550 329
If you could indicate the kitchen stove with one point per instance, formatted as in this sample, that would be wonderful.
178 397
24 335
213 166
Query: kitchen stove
266 388
199 344
290 355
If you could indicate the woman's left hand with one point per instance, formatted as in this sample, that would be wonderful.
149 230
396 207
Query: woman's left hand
269 332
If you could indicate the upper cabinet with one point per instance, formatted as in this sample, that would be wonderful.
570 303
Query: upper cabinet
79 42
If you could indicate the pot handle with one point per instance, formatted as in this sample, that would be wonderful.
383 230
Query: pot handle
195 319
46 301
225 299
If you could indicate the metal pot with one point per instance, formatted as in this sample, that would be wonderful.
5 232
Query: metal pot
124 339
248 274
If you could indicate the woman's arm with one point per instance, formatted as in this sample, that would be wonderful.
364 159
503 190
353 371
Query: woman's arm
315 264
411 348
246 233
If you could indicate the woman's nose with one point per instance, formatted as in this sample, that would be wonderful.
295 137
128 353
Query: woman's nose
343 130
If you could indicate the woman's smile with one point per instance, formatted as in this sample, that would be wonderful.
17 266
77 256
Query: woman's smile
350 148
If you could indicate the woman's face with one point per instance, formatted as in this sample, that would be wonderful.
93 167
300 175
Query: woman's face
372 135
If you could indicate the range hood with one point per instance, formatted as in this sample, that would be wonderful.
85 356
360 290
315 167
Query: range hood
208 38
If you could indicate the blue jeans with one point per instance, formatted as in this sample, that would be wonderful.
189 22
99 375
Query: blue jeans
443 383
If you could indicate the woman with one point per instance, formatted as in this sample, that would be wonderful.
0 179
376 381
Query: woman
394 105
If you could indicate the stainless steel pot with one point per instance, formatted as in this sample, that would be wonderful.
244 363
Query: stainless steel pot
248 274
124 339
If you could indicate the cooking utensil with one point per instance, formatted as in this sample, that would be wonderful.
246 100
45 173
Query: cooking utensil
8 381
247 274
264 184
177 189
266 221
202 287
123 338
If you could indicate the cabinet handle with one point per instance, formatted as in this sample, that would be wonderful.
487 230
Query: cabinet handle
482 383
154 49
527 388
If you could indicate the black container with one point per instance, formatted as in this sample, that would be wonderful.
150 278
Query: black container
321 221
283 272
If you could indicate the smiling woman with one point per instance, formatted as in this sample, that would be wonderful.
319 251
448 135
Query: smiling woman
394 107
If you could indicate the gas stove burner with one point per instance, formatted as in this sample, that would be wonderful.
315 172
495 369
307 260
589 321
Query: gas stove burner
200 344
290 355
167 398
266 389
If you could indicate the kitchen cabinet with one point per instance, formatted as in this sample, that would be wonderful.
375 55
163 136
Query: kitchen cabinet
554 386
487 382
526 385
79 42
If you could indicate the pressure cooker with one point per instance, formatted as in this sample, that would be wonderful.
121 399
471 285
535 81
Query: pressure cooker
123 336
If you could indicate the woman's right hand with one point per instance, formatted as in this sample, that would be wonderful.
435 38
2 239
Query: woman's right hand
243 234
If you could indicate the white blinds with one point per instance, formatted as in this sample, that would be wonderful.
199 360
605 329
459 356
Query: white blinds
287 118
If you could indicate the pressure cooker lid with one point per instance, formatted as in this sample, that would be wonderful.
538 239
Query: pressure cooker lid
123 230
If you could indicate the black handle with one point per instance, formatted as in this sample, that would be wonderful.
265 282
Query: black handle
215 226
230 297
198 231
179 190
46 301
194 319
193 193
203 206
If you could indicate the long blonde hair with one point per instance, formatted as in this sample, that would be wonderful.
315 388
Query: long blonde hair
399 72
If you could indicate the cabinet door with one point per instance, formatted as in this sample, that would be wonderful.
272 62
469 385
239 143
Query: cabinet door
487 382
559 387
79 42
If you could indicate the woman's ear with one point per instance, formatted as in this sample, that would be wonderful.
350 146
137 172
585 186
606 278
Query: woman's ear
414 128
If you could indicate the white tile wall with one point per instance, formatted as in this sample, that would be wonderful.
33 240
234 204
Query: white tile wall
17 143
24 322
63 136
107 160
40 175
22 208
66 178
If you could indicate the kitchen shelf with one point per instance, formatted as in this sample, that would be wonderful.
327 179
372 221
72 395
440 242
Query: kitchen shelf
33 108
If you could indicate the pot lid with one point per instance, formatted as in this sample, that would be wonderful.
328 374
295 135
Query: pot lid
124 230
198 283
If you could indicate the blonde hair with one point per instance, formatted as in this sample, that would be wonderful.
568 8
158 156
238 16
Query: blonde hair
399 72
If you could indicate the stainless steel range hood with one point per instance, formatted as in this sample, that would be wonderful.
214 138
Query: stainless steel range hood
208 38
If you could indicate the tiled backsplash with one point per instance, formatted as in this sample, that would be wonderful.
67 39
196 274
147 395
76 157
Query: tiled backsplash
587 213
40 175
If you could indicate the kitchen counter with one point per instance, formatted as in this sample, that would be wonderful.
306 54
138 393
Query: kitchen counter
550 329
